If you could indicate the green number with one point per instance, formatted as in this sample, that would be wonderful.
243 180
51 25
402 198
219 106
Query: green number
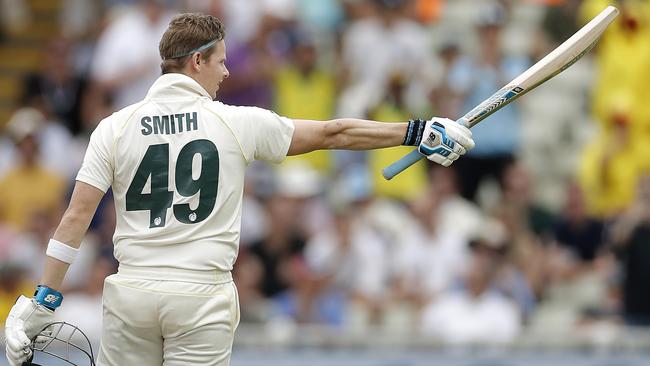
205 185
155 164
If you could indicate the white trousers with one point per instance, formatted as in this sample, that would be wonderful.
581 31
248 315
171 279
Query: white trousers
161 322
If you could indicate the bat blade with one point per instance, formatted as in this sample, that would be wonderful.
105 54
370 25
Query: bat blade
552 64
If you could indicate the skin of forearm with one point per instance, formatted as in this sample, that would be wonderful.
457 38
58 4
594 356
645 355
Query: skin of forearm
71 230
54 273
358 134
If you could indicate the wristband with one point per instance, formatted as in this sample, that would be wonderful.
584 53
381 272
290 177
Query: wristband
60 251
48 297
414 132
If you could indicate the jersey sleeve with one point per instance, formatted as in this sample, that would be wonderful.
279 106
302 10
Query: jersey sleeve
98 165
263 134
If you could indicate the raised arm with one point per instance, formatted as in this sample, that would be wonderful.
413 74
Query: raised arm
345 133
440 139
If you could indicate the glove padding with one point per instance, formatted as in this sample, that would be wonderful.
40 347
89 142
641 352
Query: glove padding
444 141
25 321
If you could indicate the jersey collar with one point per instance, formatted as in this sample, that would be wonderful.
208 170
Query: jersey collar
176 85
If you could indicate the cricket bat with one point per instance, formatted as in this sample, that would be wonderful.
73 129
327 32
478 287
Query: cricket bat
552 64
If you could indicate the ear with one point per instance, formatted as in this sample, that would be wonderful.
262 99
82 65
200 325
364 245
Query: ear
195 60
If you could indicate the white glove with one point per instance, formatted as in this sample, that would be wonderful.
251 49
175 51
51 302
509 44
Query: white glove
444 141
26 319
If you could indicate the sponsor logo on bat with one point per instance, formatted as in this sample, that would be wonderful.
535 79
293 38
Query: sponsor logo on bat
494 103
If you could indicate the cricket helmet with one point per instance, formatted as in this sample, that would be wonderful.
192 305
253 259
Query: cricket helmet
62 341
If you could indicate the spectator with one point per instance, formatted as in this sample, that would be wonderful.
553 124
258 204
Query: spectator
578 232
254 61
282 242
475 312
529 227
248 275
57 149
251 72
610 166
29 188
393 107
349 258
476 79
578 272
444 100
397 229
435 258
462 217
382 43
304 90
57 91
517 196
631 241
126 60
288 229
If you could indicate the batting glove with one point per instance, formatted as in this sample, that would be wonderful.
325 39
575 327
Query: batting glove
444 141
25 321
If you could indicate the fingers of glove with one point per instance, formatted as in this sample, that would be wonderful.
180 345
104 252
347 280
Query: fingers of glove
16 338
439 159
17 355
21 353
14 363
459 149
462 135
17 358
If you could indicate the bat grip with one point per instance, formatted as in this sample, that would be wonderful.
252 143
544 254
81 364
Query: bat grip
397 167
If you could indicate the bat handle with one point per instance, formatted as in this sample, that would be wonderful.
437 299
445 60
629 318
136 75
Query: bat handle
397 167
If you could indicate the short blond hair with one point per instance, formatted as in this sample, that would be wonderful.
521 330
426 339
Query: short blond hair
186 33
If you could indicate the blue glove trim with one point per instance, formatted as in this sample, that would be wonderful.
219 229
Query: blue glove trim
445 139
48 297
442 148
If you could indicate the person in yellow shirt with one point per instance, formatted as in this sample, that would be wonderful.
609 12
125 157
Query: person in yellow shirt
303 90
612 162
28 188
410 182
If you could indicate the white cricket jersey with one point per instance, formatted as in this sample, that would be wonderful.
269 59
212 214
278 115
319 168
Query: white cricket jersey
176 162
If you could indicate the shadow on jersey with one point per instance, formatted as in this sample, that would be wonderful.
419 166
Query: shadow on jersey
62 343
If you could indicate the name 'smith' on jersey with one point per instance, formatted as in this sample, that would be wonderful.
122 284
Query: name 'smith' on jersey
176 162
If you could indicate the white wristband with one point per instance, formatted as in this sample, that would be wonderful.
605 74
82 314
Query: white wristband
60 251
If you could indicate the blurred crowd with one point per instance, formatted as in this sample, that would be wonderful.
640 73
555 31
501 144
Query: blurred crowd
544 227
